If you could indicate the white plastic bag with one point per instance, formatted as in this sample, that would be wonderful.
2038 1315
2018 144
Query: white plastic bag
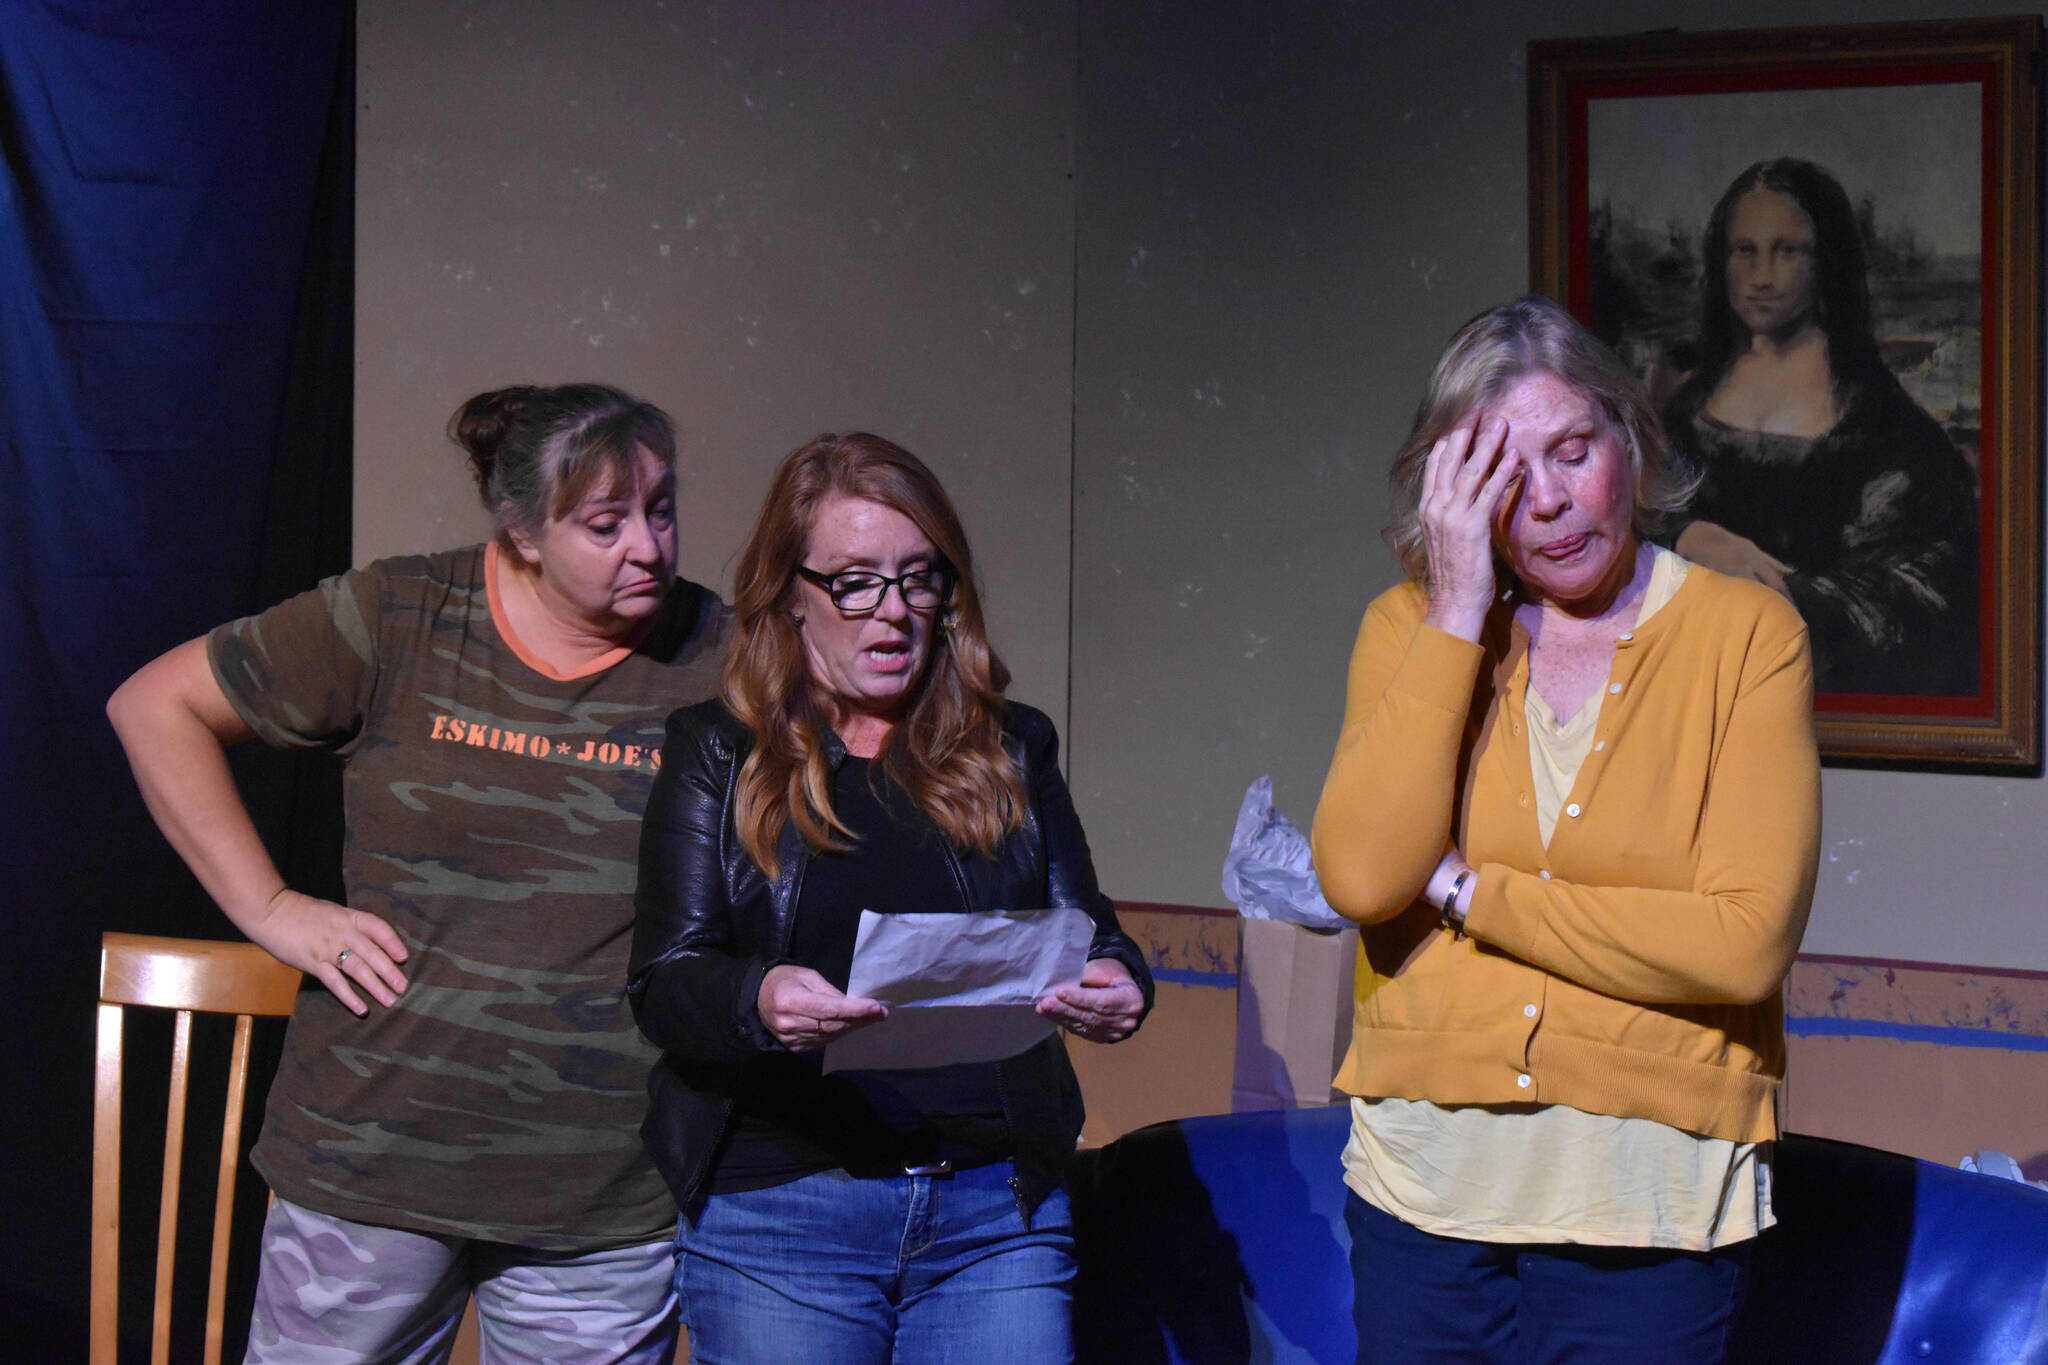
2000 1165
1267 873
1294 967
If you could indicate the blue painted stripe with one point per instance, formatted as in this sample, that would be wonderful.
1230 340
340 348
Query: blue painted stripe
1185 976
1823 1026
1809 1027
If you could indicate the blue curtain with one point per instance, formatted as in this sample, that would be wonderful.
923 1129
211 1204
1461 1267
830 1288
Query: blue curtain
174 286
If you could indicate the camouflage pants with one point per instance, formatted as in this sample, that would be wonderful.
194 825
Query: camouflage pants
333 1292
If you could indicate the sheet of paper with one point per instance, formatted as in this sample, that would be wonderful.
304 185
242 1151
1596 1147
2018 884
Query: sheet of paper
960 988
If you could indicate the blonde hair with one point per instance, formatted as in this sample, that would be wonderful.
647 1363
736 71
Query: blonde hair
1488 355
947 752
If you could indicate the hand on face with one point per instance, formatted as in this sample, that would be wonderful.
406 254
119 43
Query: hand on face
1568 527
1464 485
869 662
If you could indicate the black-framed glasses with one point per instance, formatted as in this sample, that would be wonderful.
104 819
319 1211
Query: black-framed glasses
854 591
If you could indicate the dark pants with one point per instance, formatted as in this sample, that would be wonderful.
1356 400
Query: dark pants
1422 1298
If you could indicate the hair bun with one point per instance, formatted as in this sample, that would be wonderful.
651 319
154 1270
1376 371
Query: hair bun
479 426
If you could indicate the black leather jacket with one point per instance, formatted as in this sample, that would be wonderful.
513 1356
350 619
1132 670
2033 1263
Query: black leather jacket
710 924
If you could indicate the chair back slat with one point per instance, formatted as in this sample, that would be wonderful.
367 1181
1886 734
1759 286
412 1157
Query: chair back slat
173 1184
106 1187
186 976
224 1191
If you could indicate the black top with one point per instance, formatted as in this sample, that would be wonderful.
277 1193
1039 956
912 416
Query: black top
1878 519
794 1120
711 923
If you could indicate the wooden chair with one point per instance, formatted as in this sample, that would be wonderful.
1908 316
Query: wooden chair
186 975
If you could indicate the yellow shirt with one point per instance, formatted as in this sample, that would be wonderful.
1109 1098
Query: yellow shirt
1632 967
1551 1173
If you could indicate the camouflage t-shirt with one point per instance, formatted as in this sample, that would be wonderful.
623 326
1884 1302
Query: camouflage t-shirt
493 820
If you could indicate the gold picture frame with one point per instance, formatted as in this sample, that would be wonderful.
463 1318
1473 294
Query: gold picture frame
1925 610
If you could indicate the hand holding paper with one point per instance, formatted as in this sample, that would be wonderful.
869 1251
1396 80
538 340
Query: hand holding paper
1103 1007
964 988
805 1011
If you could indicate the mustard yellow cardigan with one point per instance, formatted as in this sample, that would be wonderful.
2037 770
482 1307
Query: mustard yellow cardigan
1633 967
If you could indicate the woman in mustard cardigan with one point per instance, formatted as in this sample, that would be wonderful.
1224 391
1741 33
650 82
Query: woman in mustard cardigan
1576 806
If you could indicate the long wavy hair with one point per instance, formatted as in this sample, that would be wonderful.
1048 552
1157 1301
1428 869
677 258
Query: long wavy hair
1488 356
947 751
1841 283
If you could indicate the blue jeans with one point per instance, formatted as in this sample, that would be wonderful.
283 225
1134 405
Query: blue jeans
1422 1298
913 1270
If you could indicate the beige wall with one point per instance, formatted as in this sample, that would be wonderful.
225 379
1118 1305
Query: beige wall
1284 212
1154 287
772 218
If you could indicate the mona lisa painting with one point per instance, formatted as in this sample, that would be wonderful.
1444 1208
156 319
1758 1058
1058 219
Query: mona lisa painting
1818 248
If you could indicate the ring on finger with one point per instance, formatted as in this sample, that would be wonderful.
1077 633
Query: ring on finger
341 958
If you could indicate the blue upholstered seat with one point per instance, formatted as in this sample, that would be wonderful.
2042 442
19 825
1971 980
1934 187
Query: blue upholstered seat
1220 1241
